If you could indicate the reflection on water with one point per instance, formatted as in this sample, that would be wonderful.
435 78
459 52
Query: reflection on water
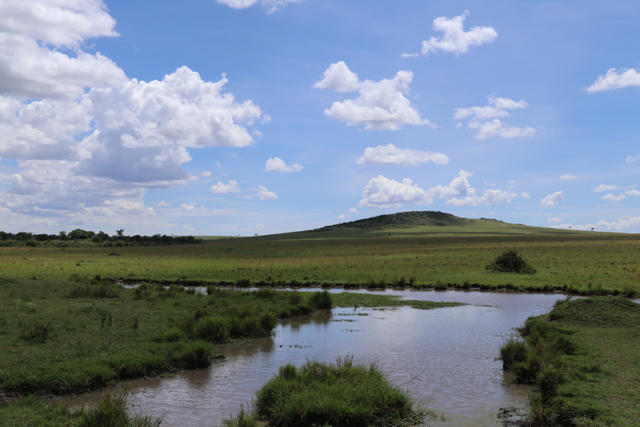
445 358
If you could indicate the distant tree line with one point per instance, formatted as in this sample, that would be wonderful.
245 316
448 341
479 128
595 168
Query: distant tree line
79 237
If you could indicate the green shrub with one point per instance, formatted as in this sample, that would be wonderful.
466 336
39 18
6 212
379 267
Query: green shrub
322 300
511 262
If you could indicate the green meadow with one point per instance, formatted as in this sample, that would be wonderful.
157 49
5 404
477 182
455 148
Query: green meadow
453 254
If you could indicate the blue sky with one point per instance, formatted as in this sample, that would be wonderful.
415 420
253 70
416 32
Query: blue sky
242 117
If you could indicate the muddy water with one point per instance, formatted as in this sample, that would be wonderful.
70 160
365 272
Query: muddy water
445 358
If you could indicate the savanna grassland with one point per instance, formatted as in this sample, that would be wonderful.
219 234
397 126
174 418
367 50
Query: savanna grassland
583 261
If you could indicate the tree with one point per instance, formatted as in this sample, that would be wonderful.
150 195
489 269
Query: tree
120 232
511 262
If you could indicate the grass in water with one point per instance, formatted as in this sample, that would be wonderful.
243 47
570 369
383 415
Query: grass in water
331 394
582 359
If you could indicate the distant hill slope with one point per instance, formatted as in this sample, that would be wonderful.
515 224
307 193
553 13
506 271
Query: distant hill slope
417 224
404 220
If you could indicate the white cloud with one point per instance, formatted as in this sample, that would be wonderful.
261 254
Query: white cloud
343 216
497 108
605 187
496 128
164 204
353 210
490 197
512 181
261 193
455 39
613 197
221 188
408 55
278 165
552 199
615 80
259 225
525 196
270 5
634 193
382 192
33 33
554 220
630 224
189 228
631 159
568 176
381 105
392 155
206 174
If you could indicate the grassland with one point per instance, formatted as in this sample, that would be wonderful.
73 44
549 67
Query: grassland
586 262
582 358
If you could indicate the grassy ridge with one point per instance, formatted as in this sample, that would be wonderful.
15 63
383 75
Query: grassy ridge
582 358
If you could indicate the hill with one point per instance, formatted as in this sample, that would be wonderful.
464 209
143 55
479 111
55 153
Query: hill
419 224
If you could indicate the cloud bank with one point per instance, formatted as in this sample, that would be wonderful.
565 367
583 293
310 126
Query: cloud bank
392 155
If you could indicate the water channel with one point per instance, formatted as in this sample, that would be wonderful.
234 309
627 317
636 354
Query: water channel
445 358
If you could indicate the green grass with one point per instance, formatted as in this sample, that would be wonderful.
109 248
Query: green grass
350 299
582 358
585 263
331 394
54 340
113 409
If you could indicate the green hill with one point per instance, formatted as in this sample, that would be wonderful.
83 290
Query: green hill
418 224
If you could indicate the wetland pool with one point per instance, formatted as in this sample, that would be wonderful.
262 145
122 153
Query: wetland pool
445 358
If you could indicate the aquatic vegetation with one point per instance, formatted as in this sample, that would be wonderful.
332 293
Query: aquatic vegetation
331 394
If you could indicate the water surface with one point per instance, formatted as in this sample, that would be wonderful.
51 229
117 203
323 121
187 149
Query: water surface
445 357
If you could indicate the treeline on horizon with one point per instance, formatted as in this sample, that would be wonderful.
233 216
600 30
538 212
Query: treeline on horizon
79 237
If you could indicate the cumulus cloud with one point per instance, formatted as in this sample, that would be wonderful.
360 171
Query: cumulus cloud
353 210
270 5
498 107
278 165
206 174
221 188
343 216
261 193
554 220
568 176
259 225
382 192
455 39
525 196
613 197
87 140
31 36
615 80
381 105
631 159
392 155
552 200
634 193
164 204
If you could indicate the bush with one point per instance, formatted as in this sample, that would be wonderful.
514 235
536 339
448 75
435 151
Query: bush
511 262
322 300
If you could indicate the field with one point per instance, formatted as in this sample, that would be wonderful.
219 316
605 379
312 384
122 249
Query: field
586 262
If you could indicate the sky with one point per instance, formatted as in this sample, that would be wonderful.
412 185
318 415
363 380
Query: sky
244 117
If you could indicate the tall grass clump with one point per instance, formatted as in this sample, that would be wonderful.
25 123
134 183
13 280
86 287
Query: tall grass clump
322 300
114 410
88 291
510 261
335 394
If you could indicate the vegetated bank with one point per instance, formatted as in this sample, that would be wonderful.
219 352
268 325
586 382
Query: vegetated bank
582 358
331 394
63 337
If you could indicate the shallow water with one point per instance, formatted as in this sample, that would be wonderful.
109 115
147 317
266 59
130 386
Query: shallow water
445 358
